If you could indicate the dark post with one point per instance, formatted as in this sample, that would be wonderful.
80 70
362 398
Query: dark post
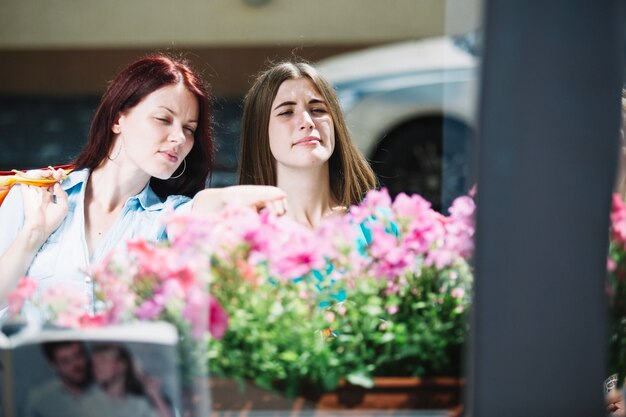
549 121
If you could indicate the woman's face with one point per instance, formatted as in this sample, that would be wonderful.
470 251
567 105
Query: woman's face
157 134
107 367
301 130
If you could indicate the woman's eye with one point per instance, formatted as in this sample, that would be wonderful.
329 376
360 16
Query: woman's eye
162 119
285 113
190 130
319 111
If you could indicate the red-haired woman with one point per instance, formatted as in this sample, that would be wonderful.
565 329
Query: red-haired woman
149 151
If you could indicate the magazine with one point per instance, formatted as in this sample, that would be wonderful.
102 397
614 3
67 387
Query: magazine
116 371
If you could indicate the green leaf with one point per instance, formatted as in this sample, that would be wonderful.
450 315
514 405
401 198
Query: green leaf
330 380
289 356
361 379
387 337
372 310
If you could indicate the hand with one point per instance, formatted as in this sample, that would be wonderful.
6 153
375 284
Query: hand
44 207
260 197
615 404
152 386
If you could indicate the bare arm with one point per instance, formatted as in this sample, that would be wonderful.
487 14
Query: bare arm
44 210
213 200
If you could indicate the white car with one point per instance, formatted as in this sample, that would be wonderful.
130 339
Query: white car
410 107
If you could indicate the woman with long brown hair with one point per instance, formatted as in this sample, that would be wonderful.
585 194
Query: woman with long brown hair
294 136
120 389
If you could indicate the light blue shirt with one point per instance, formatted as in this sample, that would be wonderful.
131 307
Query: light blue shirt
64 256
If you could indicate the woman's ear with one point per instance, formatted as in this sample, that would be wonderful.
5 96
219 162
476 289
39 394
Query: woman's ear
116 128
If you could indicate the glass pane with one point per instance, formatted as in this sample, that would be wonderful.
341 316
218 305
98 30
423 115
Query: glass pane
318 343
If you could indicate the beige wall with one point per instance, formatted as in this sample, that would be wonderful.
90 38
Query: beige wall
26 24
86 71
75 46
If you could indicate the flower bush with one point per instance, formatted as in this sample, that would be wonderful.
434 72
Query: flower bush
382 290
167 281
616 289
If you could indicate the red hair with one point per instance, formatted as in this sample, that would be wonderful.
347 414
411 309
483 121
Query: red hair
139 79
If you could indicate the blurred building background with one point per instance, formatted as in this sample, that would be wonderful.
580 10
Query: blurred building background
69 47
57 56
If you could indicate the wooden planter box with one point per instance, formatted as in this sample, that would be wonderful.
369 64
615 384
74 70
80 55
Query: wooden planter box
396 393
387 394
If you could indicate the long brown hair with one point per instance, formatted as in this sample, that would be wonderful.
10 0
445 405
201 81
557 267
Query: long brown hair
128 88
132 381
350 174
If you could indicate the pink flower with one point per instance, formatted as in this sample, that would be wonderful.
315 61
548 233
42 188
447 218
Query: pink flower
87 320
188 231
618 219
463 207
391 258
371 206
150 309
473 190
440 258
422 234
297 263
172 290
382 242
296 252
25 289
204 312
411 206
218 319
169 279
195 311
65 304
457 293
184 275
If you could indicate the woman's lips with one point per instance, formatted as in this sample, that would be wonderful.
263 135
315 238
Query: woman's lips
309 140
170 156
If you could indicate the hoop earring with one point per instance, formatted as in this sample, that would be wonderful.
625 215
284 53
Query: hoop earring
118 152
181 172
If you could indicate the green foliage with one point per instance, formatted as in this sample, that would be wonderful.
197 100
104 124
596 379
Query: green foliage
616 324
419 331
275 336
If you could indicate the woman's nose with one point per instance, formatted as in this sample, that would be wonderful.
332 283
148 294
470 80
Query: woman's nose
178 135
306 122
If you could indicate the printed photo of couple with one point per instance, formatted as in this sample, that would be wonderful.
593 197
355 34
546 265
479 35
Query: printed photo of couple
95 379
